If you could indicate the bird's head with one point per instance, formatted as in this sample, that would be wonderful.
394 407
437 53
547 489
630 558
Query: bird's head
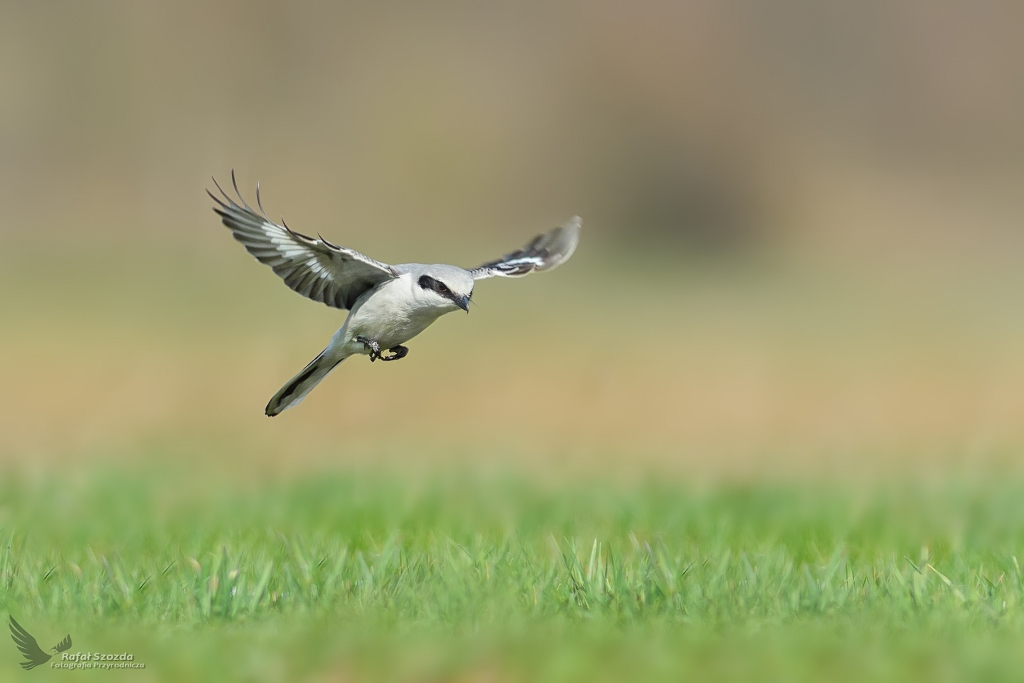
446 287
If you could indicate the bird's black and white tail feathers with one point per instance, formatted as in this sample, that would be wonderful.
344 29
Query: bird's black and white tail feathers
292 393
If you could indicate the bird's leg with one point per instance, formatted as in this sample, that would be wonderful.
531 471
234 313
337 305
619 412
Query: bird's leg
398 351
371 345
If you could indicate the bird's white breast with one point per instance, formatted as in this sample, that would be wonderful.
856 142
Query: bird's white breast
392 314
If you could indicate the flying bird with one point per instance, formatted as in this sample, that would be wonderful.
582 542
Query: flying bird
388 305
34 655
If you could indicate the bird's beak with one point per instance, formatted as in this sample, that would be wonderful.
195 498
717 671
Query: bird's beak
463 303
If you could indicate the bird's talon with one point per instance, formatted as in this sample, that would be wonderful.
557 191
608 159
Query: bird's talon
398 352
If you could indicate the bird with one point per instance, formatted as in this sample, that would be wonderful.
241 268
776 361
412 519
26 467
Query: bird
34 655
387 304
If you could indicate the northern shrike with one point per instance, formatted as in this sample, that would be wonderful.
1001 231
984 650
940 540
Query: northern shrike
388 305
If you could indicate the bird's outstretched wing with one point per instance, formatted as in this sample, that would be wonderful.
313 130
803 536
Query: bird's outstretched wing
64 644
544 252
28 646
314 268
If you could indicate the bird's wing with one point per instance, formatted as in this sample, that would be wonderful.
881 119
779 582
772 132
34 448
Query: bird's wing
544 252
27 645
314 268
64 644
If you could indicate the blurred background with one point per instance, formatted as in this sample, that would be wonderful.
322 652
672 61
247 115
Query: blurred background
803 241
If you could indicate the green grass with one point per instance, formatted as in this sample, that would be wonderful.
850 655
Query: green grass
378 576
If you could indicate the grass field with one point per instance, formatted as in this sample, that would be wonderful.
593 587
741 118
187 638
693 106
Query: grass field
374 576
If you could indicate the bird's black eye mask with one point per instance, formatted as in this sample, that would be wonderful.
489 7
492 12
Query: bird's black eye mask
460 300
427 282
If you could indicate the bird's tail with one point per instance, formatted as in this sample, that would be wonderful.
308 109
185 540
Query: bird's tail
292 393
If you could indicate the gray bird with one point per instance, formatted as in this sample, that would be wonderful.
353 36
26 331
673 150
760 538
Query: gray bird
388 305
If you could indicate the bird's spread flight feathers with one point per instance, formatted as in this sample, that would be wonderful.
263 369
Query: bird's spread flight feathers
314 268
338 276
544 252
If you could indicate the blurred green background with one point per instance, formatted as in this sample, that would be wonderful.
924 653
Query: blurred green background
802 256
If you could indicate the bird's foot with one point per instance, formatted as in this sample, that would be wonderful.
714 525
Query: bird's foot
372 346
399 352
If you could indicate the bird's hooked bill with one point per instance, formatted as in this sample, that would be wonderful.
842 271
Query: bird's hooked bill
463 303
